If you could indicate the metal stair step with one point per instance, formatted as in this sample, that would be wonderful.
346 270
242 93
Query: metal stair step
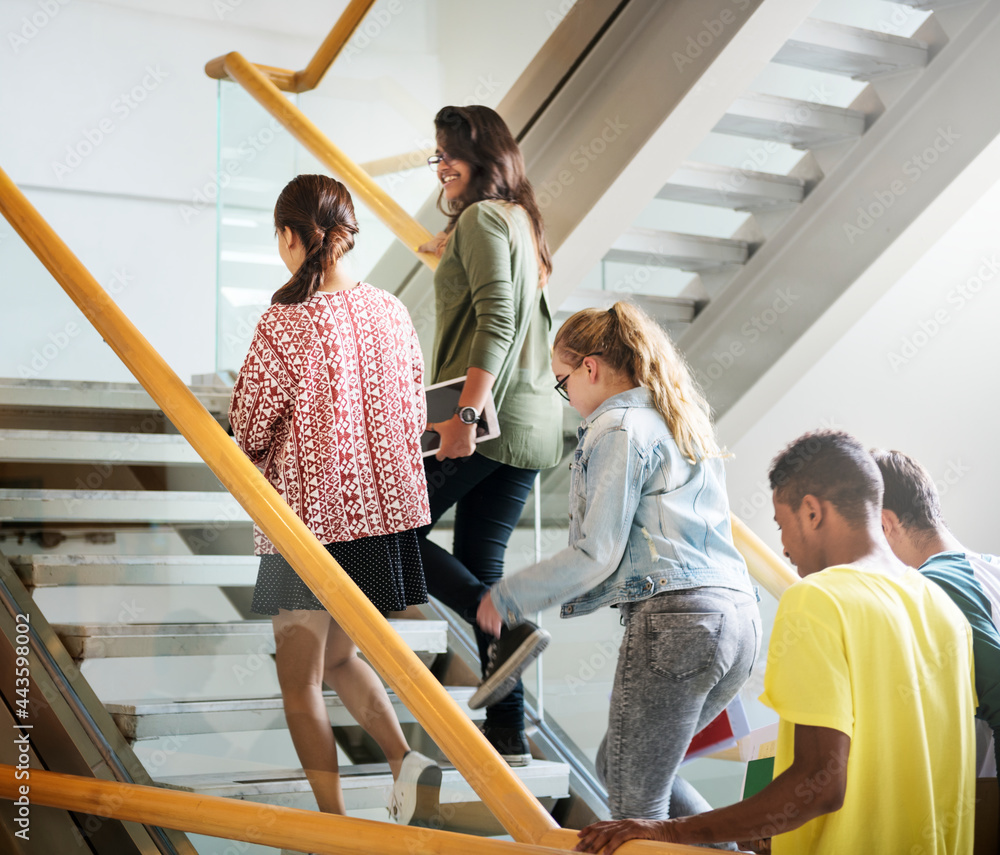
672 249
120 506
728 187
151 719
81 446
673 312
45 571
18 394
851 51
364 787
236 638
801 124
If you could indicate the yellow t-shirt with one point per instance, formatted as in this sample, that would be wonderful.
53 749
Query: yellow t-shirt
888 661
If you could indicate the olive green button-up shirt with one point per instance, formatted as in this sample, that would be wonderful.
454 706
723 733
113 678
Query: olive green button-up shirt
492 315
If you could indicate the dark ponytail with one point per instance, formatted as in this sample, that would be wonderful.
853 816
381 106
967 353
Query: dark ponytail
319 210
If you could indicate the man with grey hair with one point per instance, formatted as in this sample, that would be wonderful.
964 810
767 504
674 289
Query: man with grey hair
916 531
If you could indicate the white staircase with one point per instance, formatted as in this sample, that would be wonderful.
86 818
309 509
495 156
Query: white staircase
159 718
54 435
750 229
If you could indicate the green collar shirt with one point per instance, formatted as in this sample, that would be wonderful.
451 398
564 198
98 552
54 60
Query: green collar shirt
492 315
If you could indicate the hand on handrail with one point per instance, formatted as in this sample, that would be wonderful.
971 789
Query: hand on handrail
436 244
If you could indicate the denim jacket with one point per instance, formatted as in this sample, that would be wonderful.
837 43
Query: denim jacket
642 520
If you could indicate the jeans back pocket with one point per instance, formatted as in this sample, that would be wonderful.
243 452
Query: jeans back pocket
683 644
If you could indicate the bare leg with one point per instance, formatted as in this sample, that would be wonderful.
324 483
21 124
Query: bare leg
300 637
363 694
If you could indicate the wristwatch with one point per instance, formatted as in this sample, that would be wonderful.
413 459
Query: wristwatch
467 415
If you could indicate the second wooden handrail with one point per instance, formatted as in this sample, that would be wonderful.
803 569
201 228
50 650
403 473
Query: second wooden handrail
309 77
361 185
764 565
269 825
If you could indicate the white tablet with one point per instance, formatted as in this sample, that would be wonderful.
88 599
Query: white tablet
442 399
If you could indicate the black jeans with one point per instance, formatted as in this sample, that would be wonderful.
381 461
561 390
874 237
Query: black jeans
488 499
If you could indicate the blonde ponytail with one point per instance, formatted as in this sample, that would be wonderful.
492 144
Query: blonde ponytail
635 346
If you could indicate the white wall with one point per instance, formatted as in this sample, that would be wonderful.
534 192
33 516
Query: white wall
138 74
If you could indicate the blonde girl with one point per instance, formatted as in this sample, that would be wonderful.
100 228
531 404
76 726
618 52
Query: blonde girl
649 535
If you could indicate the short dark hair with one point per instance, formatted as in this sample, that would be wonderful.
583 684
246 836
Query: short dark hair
833 466
910 492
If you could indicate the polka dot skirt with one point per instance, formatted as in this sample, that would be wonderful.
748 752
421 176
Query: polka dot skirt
386 567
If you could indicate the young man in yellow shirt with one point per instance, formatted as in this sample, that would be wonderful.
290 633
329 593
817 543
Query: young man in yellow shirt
870 671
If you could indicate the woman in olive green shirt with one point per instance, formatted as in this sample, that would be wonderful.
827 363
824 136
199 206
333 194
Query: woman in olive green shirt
492 326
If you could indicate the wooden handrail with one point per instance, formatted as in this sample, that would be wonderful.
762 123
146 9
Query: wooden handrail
764 565
310 76
361 185
492 779
415 159
269 825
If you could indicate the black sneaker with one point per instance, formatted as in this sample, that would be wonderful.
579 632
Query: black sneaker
510 654
510 743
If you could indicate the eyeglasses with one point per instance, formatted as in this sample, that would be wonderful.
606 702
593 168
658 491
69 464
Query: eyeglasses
560 387
435 159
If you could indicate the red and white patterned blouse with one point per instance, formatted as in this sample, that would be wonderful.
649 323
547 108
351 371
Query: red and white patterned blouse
330 403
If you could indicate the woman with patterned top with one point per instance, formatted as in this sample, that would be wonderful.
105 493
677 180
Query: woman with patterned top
493 325
330 403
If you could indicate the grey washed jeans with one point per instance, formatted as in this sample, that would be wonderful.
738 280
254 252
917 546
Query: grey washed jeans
685 655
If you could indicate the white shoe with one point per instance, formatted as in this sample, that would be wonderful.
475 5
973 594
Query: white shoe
416 794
